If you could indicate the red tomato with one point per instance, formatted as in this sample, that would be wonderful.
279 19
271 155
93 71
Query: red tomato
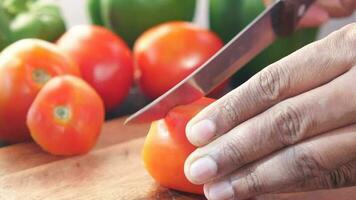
166 147
25 67
166 54
66 116
104 59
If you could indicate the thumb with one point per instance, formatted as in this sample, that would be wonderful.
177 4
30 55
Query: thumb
314 17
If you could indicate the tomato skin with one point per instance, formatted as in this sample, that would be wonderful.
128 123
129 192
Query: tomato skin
166 148
104 59
25 67
169 52
74 134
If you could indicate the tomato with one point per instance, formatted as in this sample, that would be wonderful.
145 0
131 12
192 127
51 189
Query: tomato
66 116
104 59
168 53
166 147
25 67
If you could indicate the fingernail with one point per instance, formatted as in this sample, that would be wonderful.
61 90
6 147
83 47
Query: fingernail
203 169
220 191
202 132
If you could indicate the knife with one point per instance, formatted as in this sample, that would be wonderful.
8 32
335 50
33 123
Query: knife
278 20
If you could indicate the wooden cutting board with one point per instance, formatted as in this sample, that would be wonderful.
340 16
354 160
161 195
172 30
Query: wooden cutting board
112 171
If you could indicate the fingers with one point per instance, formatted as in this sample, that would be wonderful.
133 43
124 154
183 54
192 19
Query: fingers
293 120
343 176
351 4
338 8
297 164
308 68
324 9
314 17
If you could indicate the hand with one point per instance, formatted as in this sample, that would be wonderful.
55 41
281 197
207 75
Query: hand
324 9
290 127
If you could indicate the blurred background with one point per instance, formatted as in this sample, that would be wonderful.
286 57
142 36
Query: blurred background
128 51
75 14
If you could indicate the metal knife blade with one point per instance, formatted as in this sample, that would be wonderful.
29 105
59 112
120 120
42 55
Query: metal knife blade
279 19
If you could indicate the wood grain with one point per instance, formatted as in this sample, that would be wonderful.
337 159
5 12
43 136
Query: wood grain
28 155
112 171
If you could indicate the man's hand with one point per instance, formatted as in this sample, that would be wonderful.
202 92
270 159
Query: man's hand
323 10
290 127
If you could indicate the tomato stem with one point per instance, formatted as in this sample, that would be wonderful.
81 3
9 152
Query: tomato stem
62 113
40 76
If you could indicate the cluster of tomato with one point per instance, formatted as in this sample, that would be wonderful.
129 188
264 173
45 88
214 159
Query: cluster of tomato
57 94
43 97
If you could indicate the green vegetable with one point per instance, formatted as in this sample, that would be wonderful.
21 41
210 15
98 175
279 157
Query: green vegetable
29 19
225 17
4 29
130 18
229 17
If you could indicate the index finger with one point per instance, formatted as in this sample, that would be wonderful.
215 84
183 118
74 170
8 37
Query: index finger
338 8
306 69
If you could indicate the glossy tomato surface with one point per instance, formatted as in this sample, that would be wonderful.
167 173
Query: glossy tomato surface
167 53
25 67
66 116
166 147
105 61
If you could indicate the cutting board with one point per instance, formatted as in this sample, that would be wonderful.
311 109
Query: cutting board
111 171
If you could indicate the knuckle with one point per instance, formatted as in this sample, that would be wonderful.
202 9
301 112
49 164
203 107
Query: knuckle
322 182
344 42
233 153
305 165
287 124
229 110
349 6
254 183
340 177
273 82
348 34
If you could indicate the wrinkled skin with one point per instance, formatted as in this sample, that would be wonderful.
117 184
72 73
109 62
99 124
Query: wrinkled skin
289 128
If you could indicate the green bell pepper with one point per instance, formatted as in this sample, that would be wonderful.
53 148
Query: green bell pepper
229 17
129 18
4 29
29 19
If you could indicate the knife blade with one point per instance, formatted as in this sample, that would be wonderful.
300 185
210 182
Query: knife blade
280 19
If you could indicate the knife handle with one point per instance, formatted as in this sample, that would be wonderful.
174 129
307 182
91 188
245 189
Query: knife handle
287 14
